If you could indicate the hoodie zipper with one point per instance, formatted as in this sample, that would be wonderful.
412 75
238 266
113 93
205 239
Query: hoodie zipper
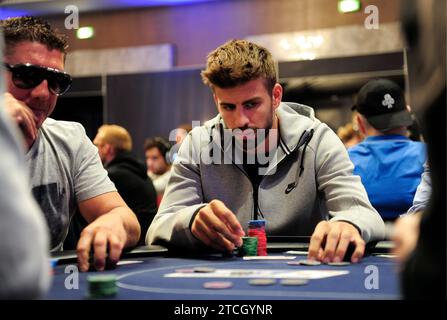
255 186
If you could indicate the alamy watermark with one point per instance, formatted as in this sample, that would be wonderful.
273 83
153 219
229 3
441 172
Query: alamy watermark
372 20
72 20
372 280
72 280
217 145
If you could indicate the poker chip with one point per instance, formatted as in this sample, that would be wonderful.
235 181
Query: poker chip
257 223
186 270
294 282
204 269
218 285
339 264
262 282
102 286
307 262
249 246
256 228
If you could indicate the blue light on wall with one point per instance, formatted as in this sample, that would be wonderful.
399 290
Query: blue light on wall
11 13
142 3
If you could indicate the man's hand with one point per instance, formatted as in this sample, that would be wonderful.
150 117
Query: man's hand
217 227
113 226
330 241
106 233
405 235
23 116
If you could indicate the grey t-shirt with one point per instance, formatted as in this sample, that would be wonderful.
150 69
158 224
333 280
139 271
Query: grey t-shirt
65 169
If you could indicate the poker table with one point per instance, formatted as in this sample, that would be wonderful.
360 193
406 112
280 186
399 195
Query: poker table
146 273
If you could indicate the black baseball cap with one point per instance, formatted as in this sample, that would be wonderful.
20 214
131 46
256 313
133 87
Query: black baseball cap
382 103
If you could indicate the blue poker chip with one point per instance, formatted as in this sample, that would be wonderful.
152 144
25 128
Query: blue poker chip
256 223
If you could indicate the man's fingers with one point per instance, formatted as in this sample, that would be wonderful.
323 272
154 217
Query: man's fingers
83 249
217 240
100 249
213 221
338 236
320 254
343 244
318 237
31 130
219 224
115 249
212 239
228 217
359 249
22 115
332 240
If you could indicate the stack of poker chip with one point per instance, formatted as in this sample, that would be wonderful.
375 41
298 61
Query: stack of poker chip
256 228
249 246
102 286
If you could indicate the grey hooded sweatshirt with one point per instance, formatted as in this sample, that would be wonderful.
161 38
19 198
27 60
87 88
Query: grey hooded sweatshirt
309 179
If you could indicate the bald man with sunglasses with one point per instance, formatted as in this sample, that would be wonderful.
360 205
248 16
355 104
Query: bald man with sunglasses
65 170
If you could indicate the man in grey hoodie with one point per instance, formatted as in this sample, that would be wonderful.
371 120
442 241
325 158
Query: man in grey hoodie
264 158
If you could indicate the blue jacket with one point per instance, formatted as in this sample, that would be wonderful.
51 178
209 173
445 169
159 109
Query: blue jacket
390 167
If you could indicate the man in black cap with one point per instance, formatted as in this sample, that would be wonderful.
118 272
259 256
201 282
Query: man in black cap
389 163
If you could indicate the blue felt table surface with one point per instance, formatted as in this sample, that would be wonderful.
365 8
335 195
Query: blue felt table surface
146 281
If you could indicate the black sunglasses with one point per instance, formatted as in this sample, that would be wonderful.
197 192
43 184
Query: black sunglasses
27 76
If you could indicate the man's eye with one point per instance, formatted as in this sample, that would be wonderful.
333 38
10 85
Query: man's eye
250 105
228 107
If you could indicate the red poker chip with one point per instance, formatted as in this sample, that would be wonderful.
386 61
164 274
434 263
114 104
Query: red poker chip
218 285
259 232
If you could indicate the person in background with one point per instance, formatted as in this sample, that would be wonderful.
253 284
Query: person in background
406 228
24 243
66 173
178 135
350 134
127 173
156 151
388 162
181 132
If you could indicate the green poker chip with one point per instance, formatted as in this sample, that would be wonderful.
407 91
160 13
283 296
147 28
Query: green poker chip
249 246
102 286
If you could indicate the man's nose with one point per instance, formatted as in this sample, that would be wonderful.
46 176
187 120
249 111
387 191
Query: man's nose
242 118
41 91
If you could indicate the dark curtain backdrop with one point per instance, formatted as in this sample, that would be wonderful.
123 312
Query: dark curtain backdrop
153 104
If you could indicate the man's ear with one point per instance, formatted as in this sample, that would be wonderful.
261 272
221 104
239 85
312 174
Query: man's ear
361 124
276 95
110 150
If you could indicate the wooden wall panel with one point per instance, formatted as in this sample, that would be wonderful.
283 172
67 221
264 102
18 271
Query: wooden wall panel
196 29
153 104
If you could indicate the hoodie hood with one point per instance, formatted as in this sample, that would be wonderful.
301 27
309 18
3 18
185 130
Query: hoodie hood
125 160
